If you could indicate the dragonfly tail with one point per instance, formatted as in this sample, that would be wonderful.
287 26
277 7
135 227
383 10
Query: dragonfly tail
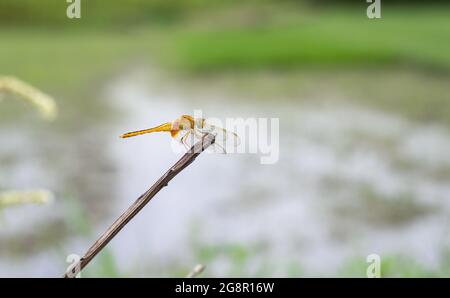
163 127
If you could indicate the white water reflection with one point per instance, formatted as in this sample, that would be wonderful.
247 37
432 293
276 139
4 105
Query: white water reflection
350 181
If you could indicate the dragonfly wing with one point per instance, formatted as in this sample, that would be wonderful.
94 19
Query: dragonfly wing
224 140
224 137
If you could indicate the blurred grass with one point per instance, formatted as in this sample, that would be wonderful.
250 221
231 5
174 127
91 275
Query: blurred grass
344 38
96 12
400 63
63 60
69 65
340 38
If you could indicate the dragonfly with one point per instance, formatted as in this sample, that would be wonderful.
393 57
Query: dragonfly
187 129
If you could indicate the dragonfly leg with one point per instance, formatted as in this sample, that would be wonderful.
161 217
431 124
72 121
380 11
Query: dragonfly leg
183 140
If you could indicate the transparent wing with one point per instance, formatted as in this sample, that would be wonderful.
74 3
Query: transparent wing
225 140
189 138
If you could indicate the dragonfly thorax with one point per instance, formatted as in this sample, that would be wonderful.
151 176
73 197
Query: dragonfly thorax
185 122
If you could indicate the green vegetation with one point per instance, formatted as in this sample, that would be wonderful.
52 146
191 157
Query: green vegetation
97 12
414 37
292 50
316 43
344 39
63 60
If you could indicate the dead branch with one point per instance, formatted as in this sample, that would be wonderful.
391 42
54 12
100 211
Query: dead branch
137 206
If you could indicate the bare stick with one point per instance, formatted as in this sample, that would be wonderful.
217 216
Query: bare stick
196 271
137 206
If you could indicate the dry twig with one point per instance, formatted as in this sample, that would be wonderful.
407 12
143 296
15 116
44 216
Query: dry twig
137 206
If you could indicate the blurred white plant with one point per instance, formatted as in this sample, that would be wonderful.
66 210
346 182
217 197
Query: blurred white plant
43 102
48 109
14 197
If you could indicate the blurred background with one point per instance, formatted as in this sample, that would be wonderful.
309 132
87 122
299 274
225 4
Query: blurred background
364 108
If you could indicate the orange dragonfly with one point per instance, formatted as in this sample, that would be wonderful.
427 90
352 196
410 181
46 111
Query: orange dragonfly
187 129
